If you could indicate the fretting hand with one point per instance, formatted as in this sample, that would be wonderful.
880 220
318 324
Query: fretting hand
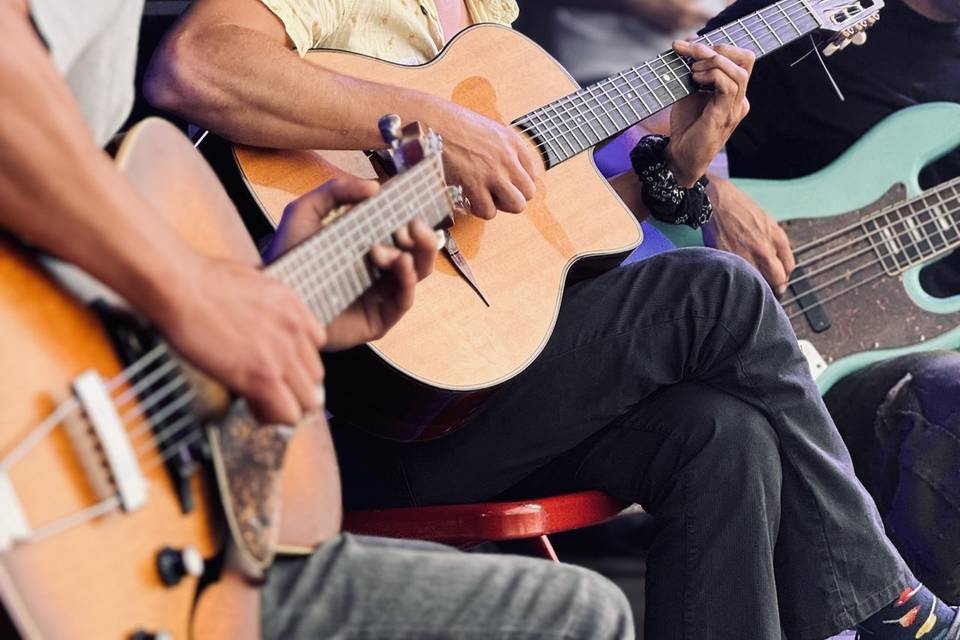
401 266
701 123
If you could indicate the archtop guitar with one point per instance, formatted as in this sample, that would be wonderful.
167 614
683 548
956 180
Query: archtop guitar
122 469
862 230
487 312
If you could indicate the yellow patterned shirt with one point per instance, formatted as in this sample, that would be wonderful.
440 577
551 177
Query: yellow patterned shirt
403 31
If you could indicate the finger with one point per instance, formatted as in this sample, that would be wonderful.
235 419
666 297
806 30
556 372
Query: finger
718 63
424 248
508 198
402 239
530 159
743 58
337 192
275 404
772 271
310 357
695 50
784 252
724 89
315 330
521 179
481 203
301 383
399 267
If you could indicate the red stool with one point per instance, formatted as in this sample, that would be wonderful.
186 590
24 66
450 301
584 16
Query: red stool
466 525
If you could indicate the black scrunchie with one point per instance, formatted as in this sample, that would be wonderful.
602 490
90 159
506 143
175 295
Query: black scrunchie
665 198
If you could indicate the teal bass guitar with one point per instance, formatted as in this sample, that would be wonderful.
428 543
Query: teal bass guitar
861 230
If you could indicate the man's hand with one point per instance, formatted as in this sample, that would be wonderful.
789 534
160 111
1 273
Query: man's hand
701 123
740 226
494 164
401 267
249 332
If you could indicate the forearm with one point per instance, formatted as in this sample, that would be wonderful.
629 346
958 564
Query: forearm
60 192
268 96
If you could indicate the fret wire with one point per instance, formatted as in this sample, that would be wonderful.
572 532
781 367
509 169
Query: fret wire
666 85
626 100
923 230
789 19
555 120
343 235
541 131
603 111
772 30
578 116
559 135
636 70
761 51
938 218
947 216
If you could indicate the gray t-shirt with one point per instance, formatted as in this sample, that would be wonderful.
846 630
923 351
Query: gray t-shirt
94 45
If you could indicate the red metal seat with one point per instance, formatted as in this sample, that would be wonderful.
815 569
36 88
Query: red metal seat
466 525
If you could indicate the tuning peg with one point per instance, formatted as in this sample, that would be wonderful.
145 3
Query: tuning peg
860 38
836 45
390 129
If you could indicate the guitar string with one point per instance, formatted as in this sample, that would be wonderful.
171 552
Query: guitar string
933 191
557 121
939 213
874 263
664 64
563 129
65 409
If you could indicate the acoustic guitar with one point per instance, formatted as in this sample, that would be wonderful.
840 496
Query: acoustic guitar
486 313
862 230
123 471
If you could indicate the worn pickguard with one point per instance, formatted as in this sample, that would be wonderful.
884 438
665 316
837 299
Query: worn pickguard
877 315
248 458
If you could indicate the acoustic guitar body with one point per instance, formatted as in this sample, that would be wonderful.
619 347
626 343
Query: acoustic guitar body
447 354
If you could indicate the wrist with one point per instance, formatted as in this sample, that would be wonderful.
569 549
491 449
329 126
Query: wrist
684 176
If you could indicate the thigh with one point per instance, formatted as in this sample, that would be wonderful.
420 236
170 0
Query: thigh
619 337
356 587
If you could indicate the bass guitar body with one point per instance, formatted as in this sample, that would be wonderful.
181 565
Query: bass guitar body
438 364
868 304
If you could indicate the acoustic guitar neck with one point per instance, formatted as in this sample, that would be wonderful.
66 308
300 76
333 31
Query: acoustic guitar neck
579 121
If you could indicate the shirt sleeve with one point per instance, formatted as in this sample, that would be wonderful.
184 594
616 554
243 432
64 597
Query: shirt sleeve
307 22
735 11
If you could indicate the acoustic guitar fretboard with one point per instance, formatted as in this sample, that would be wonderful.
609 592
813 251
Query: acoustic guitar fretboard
581 120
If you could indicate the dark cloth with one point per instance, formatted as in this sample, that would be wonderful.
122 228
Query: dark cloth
906 452
798 125
742 465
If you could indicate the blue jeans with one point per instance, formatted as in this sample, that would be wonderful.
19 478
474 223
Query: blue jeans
363 588
901 422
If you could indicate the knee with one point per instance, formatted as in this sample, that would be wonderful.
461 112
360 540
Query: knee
733 436
600 608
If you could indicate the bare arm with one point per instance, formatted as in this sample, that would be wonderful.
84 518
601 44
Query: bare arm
61 193
228 65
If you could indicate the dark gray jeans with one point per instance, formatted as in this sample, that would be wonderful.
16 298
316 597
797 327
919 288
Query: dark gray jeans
901 421
377 589
677 383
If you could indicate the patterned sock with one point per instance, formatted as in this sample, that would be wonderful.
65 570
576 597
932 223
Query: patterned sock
916 615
